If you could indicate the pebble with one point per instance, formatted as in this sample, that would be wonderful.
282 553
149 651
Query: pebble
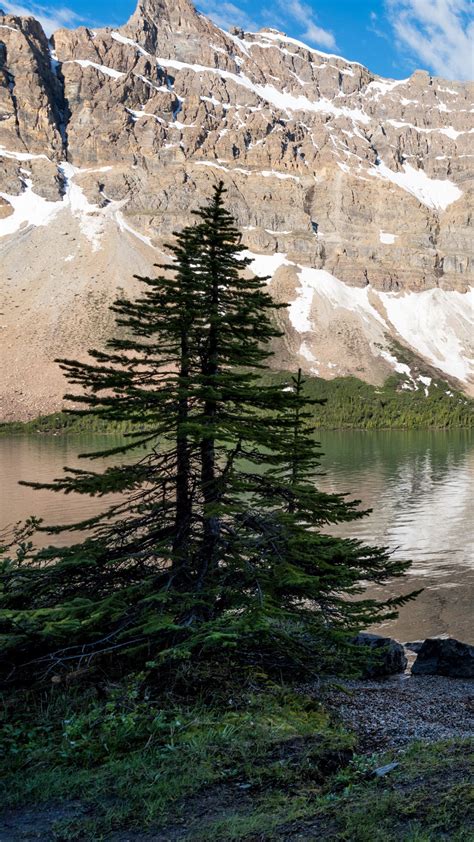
392 712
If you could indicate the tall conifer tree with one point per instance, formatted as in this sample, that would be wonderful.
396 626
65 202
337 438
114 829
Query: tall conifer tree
215 538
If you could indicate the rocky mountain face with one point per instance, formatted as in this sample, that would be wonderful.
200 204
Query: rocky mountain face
353 191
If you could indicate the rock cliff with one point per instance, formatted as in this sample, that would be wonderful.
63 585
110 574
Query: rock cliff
353 191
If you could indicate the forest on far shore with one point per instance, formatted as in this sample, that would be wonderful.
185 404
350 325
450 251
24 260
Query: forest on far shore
350 404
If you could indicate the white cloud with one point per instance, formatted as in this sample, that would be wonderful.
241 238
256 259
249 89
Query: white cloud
286 13
374 27
226 14
50 17
303 14
439 32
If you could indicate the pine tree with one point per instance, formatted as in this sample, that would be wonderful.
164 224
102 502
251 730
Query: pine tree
215 541
309 577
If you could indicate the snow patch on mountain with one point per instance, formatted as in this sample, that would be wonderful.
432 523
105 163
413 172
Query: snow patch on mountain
335 291
108 71
274 35
125 226
282 100
384 86
265 265
401 368
90 217
306 352
20 156
28 209
117 36
449 131
437 323
432 192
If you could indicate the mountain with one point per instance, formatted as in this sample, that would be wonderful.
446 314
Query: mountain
353 192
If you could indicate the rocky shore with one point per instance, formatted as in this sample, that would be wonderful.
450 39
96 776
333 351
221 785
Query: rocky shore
273 768
391 711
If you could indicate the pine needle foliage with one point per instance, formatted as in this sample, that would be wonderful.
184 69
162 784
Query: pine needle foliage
213 544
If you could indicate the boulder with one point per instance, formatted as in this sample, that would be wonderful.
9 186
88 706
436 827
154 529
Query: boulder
445 656
385 655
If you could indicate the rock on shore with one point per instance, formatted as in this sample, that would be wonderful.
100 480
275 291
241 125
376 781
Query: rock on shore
445 656
386 656
433 699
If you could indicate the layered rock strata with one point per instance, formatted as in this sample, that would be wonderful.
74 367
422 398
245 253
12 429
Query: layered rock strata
353 192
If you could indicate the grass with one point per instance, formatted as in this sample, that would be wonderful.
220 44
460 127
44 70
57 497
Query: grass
268 764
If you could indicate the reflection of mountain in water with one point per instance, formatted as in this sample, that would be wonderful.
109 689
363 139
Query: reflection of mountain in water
420 487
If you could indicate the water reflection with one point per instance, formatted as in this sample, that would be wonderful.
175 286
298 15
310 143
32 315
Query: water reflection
41 458
420 490
419 485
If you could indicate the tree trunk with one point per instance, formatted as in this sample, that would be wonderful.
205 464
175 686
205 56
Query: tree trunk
209 479
183 497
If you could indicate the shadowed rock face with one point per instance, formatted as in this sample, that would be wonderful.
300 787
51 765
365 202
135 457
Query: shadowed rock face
445 656
387 656
360 180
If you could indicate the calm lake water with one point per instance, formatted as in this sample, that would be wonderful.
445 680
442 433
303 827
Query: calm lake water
420 485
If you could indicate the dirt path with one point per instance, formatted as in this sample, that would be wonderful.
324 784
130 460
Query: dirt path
386 714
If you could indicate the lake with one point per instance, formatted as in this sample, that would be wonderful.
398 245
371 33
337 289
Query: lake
418 483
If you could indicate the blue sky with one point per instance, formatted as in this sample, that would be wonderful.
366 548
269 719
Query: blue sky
391 37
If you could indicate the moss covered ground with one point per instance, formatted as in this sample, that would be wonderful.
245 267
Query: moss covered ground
264 764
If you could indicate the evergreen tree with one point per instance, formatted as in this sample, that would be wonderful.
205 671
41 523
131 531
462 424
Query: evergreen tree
215 538
309 577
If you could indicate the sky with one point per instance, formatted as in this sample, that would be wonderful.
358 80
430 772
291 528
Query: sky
391 37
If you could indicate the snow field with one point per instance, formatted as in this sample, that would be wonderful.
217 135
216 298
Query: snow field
438 324
432 192
31 209
28 209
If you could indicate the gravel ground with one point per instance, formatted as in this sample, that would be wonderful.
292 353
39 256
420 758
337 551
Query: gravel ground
392 712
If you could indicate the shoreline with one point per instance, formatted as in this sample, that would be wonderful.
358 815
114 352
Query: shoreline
33 428
390 712
348 404
392 761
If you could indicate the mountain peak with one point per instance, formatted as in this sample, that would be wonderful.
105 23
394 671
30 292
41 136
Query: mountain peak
179 14
353 192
